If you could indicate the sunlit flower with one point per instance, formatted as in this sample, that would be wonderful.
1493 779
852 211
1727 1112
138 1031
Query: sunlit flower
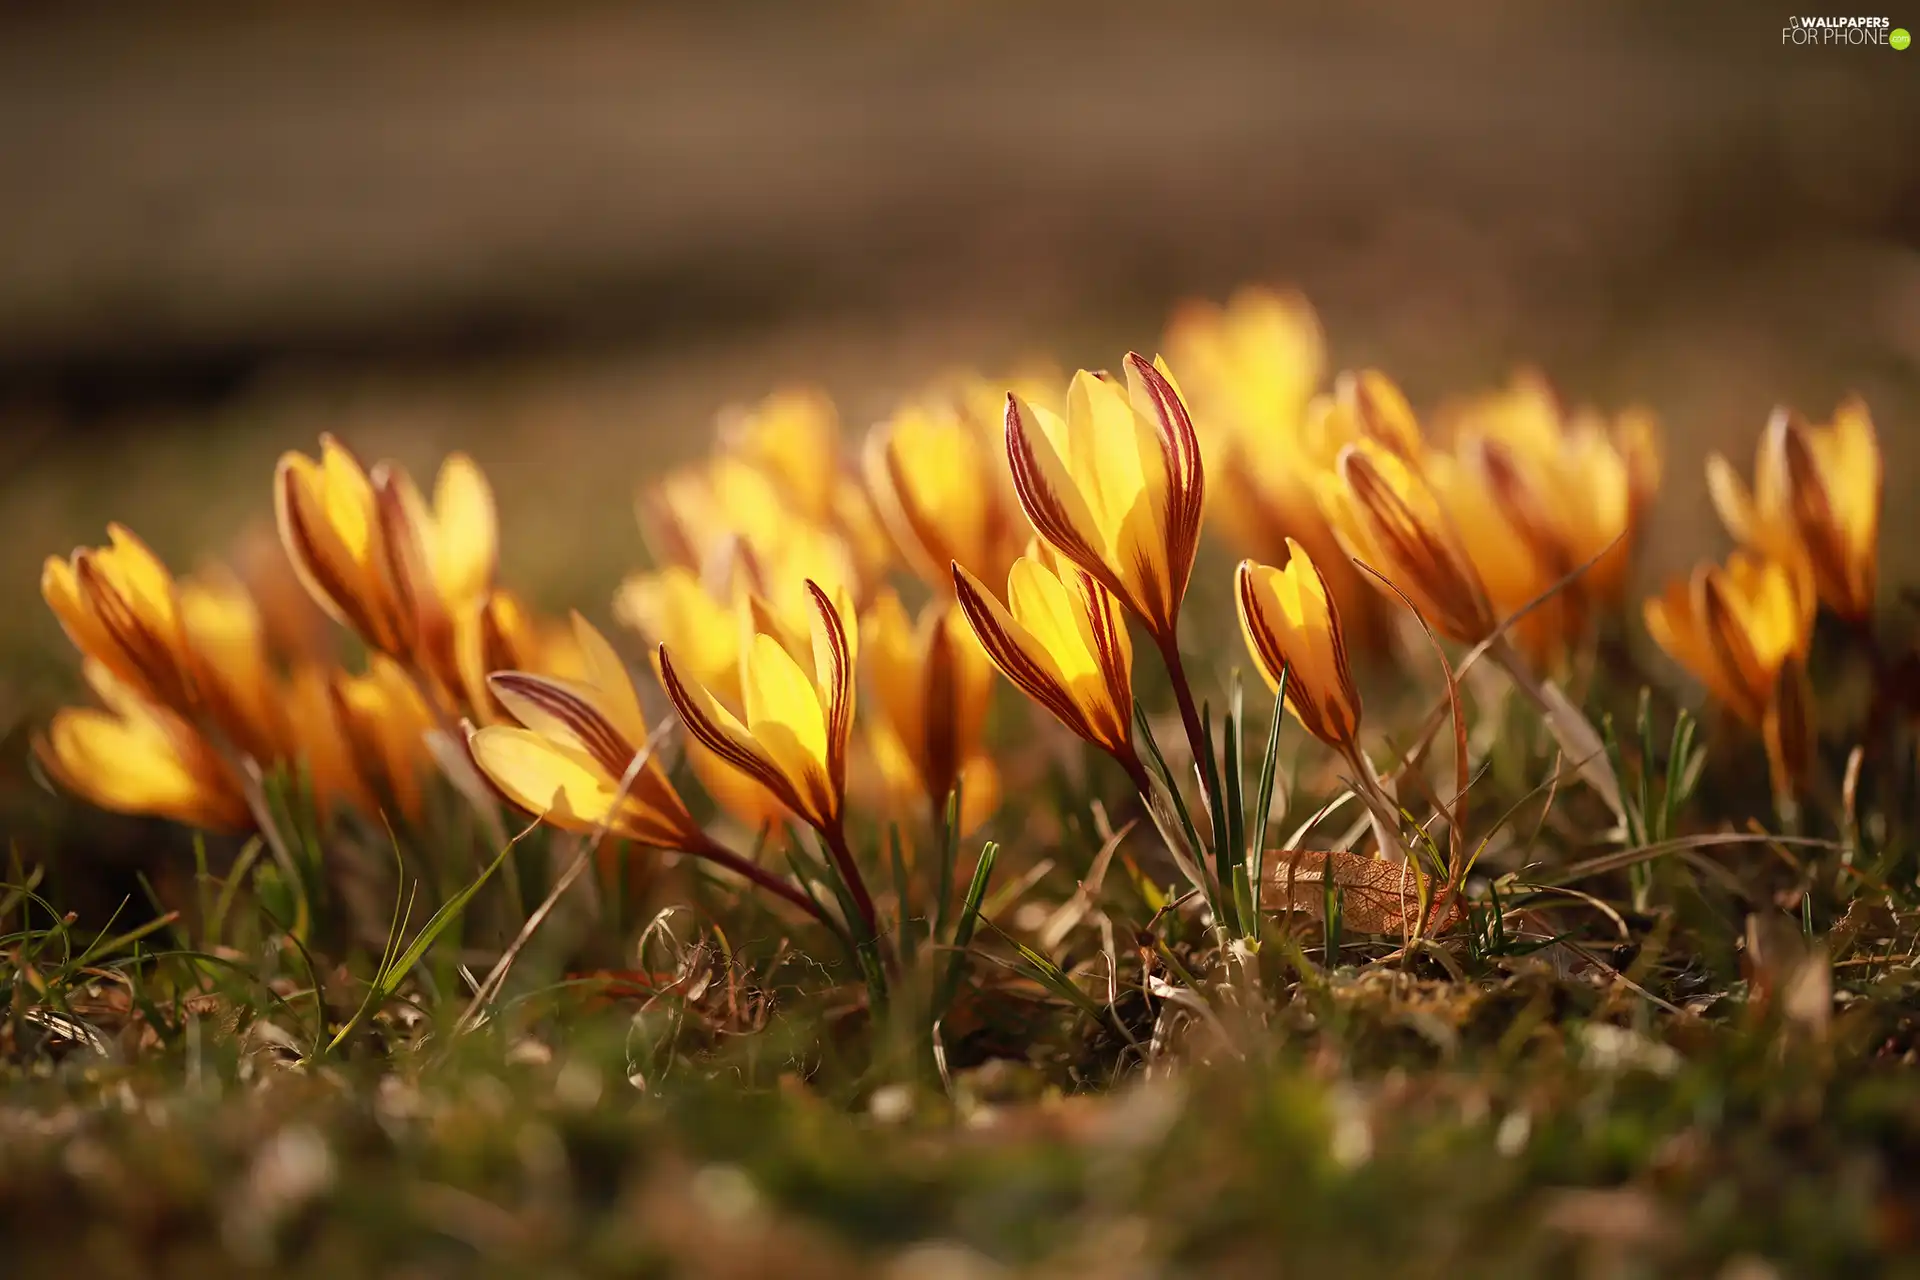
1816 494
1292 628
317 742
1116 486
1365 406
295 627
1062 639
502 634
379 559
120 607
797 725
1387 515
233 679
671 607
1734 627
932 683
136 757
1570 487
939 478
1250 370
385 722
572 745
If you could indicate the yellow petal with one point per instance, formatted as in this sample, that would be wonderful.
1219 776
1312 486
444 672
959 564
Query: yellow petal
560 783
721 732
607 675
466 530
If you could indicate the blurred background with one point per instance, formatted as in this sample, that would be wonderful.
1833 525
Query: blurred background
562 235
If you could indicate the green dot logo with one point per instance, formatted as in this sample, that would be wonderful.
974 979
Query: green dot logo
1899 38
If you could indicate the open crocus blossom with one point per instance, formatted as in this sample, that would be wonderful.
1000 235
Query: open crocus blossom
570 745
136 757
939 479
794 738
1735 627
1292 628
119 606
933 684
377 557
1062 640
1116 486
1816 494
672 607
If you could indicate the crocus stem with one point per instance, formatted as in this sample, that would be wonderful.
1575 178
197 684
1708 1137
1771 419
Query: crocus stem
1189 714
718 854
836 838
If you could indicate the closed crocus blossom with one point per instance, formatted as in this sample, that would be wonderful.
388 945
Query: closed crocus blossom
569 745
120 607
1816 494
1388 516
318 742
1249 371
383 561
932 682
385 723
1292 628
233 678
1062 639
1734 627
1365 405
1116 486
1573 488
939 478
135 757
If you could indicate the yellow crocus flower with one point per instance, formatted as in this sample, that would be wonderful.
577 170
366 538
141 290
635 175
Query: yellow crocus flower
295 628
672 607
1387 514
797 724
502 634
1249 368
570 744
120 607
1292 628
932 682
1571 487
1816 494
385 723
1734 627
939 478
1249 371
1062 639
137 757
318 741
1116 486
1365 405
233 679
377 557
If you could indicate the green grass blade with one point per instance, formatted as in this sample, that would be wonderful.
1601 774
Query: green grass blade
963 931
1263 797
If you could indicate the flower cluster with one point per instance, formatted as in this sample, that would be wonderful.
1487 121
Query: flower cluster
1040 527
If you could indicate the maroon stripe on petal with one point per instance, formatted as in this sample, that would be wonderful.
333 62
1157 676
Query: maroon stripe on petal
716 740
